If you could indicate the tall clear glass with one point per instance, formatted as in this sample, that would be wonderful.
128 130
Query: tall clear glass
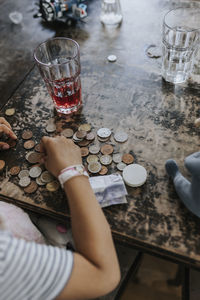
180 38
111 13
58 60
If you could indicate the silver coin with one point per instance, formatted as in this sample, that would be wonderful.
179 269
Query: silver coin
92 159
104 133
24 181
75 139
117 158
94 149
106 160
51 128
94 167
46 177
121 136
23 173
39 181
121 166
35 172
90 136
112 58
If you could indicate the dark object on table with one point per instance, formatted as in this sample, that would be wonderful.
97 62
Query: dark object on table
189 192
62 10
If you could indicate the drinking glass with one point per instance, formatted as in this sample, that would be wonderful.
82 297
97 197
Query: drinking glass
180 41
111 12
58 60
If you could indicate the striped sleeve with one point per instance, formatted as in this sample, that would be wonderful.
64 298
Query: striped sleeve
32 271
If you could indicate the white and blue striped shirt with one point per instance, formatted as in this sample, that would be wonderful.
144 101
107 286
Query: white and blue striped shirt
30 271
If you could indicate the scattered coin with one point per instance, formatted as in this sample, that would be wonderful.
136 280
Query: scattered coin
94 149
103 140
197 122
90 136
33 157
75 139
52 186
128 158
12 143
23 173
103 171
85 127
10 112
112 58
83 143
134 175
117 158
46 177
29 144
35 172
67 132
92 159
121 166
39 181
31 188
2 165
84 151
81 134
14 170
121 136
106 160
94 167
51 128
107 149
37 148
27 134
24 181
104 133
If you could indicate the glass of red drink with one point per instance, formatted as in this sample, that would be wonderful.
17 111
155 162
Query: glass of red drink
58 60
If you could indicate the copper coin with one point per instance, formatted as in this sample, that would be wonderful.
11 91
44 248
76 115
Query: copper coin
37 148
10 112
107 149
33 157
27 134
81 134
84 151
104 170
12 143
83 143
53 186
90 136
14 170
68 132
2 164
29 144
128 158
103 140
31 188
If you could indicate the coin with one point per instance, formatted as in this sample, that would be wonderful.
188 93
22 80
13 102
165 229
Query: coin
12 143
197 122
81 134
103 171
134 175
52 186
35 172
117 158
107 149
121 166
37 148
112 58
94 167
39 181
14 170
84 151
75 139
94 149
92 158
24 181
29 144
46 177
83 143
23 173
103 140
85 127
106 160
2 164
51 128
104 132
67 132
128 158
10 112
31 188
33 157
90 136
121 136
27 134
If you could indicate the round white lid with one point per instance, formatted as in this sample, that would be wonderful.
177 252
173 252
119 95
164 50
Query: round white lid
134 175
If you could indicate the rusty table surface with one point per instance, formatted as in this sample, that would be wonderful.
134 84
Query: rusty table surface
130 95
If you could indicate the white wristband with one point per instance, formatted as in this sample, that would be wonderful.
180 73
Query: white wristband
67 173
